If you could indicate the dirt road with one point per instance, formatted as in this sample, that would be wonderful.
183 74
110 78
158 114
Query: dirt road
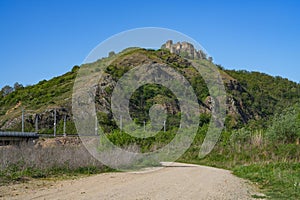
175 181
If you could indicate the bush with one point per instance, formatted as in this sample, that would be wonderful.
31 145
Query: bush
286 126
241 136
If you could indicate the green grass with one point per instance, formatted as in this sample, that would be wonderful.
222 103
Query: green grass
14 173
277 180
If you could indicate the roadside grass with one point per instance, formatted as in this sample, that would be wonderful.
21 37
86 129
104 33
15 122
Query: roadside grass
14 174
277 180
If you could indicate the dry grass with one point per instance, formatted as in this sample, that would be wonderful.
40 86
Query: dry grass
40 161
38 157
60 156
120 160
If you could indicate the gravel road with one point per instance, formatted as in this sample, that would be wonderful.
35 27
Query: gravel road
174 181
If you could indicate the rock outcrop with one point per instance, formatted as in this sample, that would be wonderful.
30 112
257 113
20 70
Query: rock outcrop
185 49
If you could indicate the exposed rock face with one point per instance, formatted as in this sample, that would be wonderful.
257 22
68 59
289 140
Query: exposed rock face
184 49
46 119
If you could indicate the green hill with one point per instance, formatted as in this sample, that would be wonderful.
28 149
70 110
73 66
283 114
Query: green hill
253 97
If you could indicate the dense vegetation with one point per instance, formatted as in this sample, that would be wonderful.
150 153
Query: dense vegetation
269 95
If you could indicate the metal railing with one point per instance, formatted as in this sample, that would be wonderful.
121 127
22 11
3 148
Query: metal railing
19 134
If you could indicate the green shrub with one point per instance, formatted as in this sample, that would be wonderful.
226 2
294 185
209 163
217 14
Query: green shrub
286 126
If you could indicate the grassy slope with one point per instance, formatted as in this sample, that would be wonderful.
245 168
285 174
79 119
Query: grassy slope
270 94
277 180
37 98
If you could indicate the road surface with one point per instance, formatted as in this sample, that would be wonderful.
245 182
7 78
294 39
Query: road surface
175 181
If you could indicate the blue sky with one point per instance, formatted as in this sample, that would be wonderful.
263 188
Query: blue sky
43 39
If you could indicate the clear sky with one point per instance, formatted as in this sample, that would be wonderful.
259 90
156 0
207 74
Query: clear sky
43 39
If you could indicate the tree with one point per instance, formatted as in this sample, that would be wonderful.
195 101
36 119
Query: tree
112 53
6 90
17 86
75 68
